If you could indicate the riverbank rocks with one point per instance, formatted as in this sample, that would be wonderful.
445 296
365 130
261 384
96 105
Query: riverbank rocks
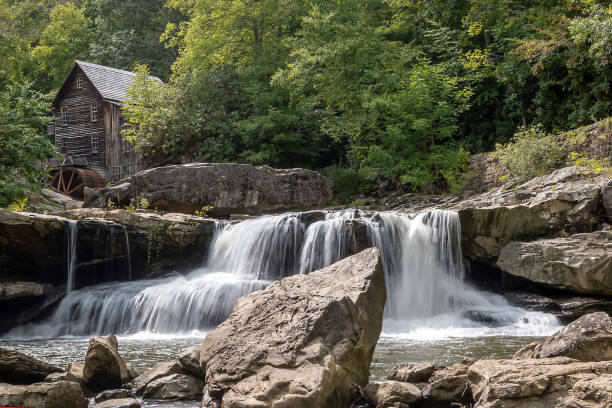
541 383
386 393
73 372
189 359
581 263
61 394
586 339
175 387
304 341
164 369
119 403
230 188
19 368
104 368
412 373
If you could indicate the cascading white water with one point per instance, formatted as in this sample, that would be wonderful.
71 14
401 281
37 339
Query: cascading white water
72 253
421 257
128 252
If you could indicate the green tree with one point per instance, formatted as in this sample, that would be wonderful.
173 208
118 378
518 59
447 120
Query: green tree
23 142
63 40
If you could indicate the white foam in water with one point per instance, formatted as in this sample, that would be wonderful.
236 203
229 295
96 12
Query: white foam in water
422 260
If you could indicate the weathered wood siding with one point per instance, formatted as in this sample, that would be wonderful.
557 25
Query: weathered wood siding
76 138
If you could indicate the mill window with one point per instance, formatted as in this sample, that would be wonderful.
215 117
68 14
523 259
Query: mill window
94 142
94 112
65 115
79 81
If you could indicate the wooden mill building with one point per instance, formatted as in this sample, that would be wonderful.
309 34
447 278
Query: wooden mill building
88 125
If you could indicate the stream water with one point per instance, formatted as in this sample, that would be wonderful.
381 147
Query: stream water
431 314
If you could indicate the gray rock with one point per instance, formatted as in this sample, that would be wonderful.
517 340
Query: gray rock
119 403
104 368
392 392
229 188
160 370
15 290
62 394
73 372
189 359
175 387
541 383
304 341
412 373
117 194
586 339
19 368
113 395
581 263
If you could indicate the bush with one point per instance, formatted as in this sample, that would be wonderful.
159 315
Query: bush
347 183
531 153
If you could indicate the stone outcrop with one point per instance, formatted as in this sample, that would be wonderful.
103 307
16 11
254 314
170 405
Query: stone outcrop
581 263
17 290
541 383
586 339
164 369
230 188
19 368
117 195
304 341
61 394
104 368
174 387
566 200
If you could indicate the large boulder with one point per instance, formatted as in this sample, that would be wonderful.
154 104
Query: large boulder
164 369
586 339
19 368
104 368
73 372
304 341
541 383
117 195
174 387
119 403
62 394
230 188
581 263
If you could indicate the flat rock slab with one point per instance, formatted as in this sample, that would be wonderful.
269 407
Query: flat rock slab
19 368
304 341
581 263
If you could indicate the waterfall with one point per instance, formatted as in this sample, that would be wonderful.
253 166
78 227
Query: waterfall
71 255
421 258
128 252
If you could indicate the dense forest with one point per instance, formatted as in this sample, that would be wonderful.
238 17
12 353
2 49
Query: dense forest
399 89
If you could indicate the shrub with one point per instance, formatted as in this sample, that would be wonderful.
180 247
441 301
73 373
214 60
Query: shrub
531 153
347 182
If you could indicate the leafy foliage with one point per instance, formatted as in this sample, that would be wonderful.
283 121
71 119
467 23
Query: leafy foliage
23 141
530 153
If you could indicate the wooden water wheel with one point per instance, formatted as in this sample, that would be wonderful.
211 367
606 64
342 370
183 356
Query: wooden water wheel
72 180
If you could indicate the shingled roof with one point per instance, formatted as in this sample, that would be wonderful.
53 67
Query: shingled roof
111 83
